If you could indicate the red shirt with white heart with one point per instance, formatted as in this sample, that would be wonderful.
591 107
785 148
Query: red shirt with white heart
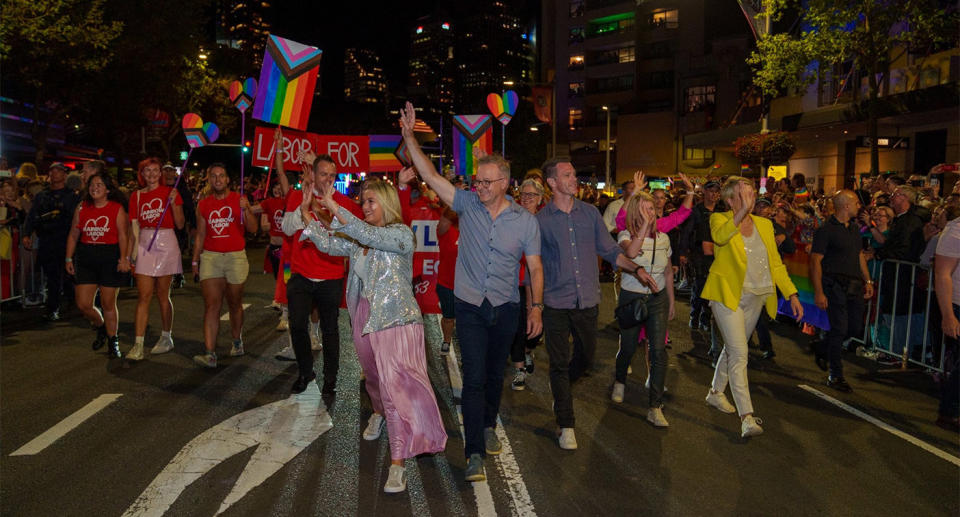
224 223
273 209
146 207
305 258
99 225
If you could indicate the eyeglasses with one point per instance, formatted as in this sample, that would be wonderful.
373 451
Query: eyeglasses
487 183
529 195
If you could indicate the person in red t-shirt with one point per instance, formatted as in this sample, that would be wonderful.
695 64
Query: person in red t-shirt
97 257
220 259
154 268
315 278
448 230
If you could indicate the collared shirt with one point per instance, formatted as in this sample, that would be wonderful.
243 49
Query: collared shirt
840 245
488 258
612 213
570 243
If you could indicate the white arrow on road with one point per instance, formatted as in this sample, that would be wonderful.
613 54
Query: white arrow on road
279 430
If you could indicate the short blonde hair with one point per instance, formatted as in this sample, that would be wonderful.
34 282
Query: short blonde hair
533 183
632 208
727 191
387 198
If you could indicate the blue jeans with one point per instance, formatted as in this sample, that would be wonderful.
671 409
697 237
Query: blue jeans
485 334
658 308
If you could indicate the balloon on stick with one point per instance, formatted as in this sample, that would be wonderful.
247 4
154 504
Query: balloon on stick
242 95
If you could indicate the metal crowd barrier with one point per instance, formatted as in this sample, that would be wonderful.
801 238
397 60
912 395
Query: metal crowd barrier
884 314
21 279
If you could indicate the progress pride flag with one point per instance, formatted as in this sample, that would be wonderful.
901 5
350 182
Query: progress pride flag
350 152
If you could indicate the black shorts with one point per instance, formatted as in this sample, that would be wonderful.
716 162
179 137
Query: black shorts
446 302
97 264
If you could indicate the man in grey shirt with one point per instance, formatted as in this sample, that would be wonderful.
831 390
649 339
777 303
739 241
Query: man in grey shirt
494 233
572 234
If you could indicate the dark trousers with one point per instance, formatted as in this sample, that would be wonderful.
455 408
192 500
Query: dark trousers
273 255
302 294
485 333
52 264
658 308
950 385
845 312
521 343
558 324
700 308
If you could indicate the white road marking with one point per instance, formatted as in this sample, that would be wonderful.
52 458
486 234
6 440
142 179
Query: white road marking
885 426
66 425
453 368
481 489
279 430
510 470
226 315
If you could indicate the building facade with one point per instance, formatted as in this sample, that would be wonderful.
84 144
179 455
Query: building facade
363 79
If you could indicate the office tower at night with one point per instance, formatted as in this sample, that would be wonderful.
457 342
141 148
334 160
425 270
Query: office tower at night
363 79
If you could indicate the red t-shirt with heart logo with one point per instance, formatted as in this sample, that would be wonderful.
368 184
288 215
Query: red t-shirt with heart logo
99 225
224 223
146 207
273 209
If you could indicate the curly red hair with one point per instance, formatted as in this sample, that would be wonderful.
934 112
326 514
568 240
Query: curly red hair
153 160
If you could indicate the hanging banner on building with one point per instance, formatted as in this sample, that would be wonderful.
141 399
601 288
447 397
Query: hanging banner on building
471 132
543 103
351 153
288 79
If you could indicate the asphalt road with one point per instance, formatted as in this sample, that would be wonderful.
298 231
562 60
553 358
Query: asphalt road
164 437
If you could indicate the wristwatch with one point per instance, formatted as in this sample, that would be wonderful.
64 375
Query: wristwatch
536 306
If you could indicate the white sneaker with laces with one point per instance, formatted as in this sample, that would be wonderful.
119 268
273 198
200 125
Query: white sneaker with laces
750 426
374 428
567 440
719 401
617 395
655 417
164 345
135 353
283 325
396 480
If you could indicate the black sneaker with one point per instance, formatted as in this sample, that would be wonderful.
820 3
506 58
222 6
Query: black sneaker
445 348
113 347
101 338
839 384
528 362
768 354
52 316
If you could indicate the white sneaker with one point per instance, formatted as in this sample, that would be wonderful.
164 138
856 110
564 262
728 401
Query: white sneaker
286 354
655 417
316 343
396 480
617 395
237 349
135 353
283 325
164 345
629 370
207 360
647 384
719 401
374 428
750 426
567 440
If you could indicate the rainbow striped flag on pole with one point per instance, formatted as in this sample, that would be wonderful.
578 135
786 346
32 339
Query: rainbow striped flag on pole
383 150
288 79
471 132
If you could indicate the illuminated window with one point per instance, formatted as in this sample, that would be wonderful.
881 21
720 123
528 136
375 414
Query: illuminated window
576 62
575 89
699 98
575 118
665 18
627 54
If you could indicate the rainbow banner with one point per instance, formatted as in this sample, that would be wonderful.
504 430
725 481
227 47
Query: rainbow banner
798 265
288 79
383 150
471 132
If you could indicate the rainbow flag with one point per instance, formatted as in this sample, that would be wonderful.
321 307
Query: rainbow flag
798 265
288 79
382 153
470 132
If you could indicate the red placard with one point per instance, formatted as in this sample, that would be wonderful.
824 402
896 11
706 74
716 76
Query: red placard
351 153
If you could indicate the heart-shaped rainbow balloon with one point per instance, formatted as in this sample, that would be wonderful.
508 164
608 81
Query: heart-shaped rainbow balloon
242 94
503 107
199 134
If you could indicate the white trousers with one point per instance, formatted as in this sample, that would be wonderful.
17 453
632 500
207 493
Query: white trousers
736 327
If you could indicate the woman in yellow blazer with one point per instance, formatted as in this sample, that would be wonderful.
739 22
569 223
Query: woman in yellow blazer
745 274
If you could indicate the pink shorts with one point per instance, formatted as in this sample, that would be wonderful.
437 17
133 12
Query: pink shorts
164 257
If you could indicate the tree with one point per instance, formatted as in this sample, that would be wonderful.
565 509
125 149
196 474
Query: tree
863 32
53 48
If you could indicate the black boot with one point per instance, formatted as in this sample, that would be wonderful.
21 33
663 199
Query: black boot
113 347
101 338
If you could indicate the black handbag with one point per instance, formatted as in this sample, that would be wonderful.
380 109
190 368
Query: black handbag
634 313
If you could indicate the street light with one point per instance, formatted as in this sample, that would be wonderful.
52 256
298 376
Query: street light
607 109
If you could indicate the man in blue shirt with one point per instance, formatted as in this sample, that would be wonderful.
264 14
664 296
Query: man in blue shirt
572 234
494 233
